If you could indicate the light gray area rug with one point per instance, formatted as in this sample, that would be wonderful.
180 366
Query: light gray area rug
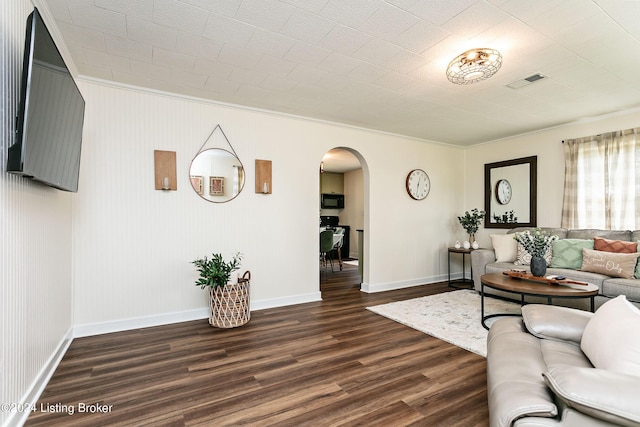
451 316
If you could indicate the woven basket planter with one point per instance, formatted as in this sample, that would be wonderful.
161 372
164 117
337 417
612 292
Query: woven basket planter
230 304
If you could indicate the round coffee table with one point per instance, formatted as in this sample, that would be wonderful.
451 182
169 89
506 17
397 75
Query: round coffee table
524 287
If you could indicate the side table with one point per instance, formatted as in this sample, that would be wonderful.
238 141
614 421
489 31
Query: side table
463 281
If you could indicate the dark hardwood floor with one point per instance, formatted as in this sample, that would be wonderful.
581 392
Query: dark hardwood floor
330 363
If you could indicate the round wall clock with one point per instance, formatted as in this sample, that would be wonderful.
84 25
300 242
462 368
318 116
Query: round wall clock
418 184
503 191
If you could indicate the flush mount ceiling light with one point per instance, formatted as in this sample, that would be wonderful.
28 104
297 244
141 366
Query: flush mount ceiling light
473 66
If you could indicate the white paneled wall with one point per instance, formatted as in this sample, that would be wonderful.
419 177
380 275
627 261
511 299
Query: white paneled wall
133 245
35 248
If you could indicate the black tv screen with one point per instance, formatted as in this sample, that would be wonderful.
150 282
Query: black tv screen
50 115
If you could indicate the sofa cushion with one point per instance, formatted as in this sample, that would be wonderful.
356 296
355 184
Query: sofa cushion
609 263
558 353
504 246
611 340
609 396
612 287
619 246
590 233
567 253
555 323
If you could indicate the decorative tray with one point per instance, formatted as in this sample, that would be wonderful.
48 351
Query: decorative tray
549 280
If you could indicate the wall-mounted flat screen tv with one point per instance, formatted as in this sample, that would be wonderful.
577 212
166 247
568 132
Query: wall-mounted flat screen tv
50 115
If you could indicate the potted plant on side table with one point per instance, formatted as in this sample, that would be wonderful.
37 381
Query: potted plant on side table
470 222
228 293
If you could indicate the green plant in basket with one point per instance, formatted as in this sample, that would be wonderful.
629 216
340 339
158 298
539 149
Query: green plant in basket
216 271
536 243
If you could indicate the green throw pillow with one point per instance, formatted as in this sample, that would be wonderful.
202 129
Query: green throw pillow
567 253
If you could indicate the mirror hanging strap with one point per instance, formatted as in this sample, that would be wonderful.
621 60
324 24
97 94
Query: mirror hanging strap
225 138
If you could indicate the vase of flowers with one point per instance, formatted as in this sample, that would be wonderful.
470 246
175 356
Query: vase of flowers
537 244
470 221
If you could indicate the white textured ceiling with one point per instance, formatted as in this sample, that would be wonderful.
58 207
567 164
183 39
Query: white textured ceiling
370 63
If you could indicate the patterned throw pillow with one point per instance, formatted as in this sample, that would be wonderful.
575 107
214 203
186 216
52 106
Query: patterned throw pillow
524 258
567 253
609 263
619 246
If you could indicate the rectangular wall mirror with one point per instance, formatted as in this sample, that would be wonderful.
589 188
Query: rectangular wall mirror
510 193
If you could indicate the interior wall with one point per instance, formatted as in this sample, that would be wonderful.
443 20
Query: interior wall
353 214
35 246
547 145
133 245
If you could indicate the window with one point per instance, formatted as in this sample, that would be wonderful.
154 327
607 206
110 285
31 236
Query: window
602 181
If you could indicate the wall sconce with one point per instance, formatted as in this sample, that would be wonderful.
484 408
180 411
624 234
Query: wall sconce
165 170
263 177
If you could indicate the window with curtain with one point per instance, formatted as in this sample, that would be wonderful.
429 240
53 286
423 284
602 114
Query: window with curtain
602 181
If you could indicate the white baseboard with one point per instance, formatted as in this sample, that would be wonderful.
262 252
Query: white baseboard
182 316
138 322
282 302
390 286
41 380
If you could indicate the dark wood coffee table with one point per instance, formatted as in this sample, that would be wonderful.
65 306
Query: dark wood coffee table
524 287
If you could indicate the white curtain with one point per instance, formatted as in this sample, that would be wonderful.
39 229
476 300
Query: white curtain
238 179
602 181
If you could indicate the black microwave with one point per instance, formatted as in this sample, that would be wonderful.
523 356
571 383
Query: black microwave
331 201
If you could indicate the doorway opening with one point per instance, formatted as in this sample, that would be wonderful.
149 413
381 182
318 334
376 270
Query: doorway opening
343 207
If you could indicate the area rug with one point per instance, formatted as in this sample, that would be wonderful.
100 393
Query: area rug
352 262
451 316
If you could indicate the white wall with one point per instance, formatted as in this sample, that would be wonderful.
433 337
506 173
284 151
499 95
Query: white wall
353 213
35 247
547 145
133 245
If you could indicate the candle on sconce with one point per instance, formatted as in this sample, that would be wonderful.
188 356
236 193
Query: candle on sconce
265 188
165 183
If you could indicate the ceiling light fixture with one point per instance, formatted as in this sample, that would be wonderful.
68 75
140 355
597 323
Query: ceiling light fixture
473 66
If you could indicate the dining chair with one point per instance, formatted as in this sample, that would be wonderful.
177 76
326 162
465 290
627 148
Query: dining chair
326 246
338 238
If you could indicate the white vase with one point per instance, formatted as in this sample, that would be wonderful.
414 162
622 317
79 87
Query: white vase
475 245
467 245
457 245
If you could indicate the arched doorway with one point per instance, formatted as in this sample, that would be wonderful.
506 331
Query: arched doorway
343 170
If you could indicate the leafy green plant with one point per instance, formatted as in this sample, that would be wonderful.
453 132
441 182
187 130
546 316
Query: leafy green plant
506 218
536 243
216 271
471 220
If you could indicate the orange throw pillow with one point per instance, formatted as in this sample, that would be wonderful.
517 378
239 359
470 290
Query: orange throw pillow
619 246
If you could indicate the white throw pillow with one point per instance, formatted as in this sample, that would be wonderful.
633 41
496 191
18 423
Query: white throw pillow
504 246
611 339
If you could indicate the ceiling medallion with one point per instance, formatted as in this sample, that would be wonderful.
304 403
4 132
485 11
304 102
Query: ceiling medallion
473 66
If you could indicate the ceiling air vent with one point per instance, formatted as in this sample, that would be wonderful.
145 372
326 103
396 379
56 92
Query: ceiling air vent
526 81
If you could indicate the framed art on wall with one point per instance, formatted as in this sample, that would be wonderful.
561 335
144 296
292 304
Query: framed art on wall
216 185
197 182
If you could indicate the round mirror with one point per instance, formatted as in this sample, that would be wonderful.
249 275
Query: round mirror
216 175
